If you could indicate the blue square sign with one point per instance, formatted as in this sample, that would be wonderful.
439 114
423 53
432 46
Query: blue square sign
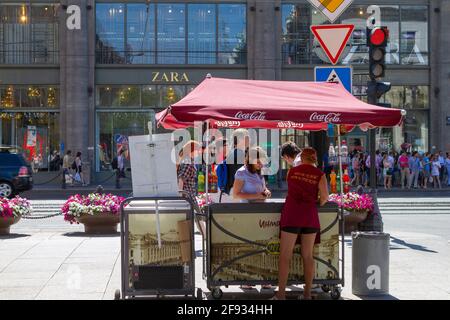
342 75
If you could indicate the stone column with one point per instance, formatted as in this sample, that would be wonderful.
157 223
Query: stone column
443 67
74 84
263 27
440 74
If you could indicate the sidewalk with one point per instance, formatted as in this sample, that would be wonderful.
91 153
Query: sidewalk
51 259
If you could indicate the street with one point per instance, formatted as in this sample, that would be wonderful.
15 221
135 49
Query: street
51 259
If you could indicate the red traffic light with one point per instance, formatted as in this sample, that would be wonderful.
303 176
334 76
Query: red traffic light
378 36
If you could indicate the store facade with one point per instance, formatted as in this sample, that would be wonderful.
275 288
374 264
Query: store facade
88 90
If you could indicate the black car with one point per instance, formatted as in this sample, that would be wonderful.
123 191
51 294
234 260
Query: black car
15 172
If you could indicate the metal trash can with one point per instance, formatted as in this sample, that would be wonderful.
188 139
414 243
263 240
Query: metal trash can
370 263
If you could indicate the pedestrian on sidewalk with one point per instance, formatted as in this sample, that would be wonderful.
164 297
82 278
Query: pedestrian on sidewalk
403 163
435 171
79 169
119 165
66 177
441 159
396 169
356 164
426 164
414 166
447 166
387 172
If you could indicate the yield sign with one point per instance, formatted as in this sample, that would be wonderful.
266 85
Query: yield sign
332 9
333 38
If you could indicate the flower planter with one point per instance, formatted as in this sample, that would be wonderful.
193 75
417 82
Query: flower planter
99 224
352 219
5 224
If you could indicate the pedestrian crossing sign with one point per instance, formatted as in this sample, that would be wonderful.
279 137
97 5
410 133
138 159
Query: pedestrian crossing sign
332 9
342 75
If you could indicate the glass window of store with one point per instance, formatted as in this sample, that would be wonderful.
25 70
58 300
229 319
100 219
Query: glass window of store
202 34
414 35
124 111
415 129
29 33
29 118
110 31
170 33
140 47
232 34
408 34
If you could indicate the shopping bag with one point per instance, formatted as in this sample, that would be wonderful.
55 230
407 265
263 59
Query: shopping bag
68 178
430 179
77 177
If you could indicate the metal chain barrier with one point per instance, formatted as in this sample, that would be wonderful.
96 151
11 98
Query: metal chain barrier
54 178
31 217
100 182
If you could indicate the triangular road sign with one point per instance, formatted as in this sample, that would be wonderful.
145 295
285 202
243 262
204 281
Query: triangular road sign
333 77
333 38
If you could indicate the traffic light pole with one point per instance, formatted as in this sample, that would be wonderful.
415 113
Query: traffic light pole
374 222
372 99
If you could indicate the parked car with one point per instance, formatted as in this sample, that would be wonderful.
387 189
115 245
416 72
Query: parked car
15 172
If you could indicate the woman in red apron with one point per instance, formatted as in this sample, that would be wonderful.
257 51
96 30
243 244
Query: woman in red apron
300 217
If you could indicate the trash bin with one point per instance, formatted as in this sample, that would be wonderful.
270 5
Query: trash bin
370 263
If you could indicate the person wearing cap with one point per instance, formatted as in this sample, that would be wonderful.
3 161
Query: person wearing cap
300 217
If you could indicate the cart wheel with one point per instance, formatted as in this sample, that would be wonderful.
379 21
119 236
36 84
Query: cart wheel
335 293
199 294
117 295
217 293
326 288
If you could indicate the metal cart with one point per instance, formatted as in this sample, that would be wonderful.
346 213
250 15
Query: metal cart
157 248
243 247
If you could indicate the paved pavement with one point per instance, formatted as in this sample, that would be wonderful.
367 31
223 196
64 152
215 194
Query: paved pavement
51 259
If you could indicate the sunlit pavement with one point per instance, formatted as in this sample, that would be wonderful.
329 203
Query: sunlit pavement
51 259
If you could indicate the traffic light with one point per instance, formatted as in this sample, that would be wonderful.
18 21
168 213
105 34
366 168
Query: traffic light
377 88
377 39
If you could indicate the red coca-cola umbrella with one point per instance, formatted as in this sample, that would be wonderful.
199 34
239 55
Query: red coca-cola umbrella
273 102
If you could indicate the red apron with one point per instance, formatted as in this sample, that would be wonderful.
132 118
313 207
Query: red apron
300 208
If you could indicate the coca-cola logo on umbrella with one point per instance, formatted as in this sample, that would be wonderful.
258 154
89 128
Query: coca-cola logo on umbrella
325 117
256 115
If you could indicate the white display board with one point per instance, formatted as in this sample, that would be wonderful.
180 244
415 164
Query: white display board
153 171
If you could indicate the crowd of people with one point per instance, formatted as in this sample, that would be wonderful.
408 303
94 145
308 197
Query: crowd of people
410 170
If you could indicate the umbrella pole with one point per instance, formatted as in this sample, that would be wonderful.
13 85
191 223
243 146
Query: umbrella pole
340 161
207 163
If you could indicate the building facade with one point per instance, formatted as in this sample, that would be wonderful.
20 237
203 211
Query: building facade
88 87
